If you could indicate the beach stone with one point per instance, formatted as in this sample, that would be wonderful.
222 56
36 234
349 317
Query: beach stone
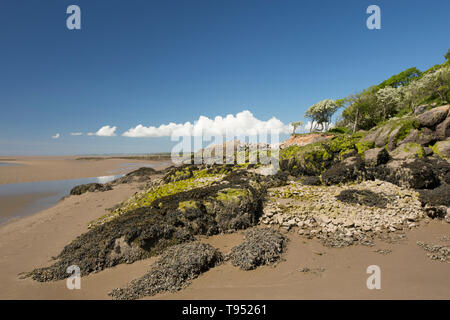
375 157
433 116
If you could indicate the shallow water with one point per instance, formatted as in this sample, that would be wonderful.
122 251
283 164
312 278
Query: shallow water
23 199
9 164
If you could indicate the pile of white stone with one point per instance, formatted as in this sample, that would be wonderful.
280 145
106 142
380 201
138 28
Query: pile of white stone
315 211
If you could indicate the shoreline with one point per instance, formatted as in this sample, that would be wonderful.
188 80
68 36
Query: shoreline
36 169
335 273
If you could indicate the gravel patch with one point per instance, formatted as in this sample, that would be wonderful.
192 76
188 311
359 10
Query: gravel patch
344 215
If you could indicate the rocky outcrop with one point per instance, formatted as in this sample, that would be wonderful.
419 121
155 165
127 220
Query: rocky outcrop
349 169
433 117
304 139
410 173
90 187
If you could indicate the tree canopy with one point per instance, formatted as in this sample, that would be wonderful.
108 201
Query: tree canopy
321 113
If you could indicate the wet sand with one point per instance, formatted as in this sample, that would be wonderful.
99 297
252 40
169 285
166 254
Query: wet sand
406 272
32 169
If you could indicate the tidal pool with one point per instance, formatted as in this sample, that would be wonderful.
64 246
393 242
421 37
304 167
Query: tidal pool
23 199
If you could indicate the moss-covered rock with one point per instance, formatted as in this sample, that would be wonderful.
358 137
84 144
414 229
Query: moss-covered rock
408 151
315 158
90 187
442 149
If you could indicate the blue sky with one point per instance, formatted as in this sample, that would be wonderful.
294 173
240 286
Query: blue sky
154 62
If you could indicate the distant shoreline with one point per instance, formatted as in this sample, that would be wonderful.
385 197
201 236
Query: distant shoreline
43 168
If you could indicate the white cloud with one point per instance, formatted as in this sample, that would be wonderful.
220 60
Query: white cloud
105 131
56 136
243 123
76 134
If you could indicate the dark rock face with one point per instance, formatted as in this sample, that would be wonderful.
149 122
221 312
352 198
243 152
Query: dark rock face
375 157
363 197
90 187
139 175
434 116
260 247
175 270
233 203
439 196
410 173
350 169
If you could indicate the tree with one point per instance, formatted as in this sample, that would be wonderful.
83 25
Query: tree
443 83
417 90
402 79
355 106
447 55
321 113
388 98
295 125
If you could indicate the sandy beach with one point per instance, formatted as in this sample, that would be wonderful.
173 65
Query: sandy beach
32 169
407 272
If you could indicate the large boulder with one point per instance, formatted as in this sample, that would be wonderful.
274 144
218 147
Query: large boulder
436 202
375 157
372 136
382 138
424 137
393 137
434 116
443 129
348 170
442 148
407 151
409 173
